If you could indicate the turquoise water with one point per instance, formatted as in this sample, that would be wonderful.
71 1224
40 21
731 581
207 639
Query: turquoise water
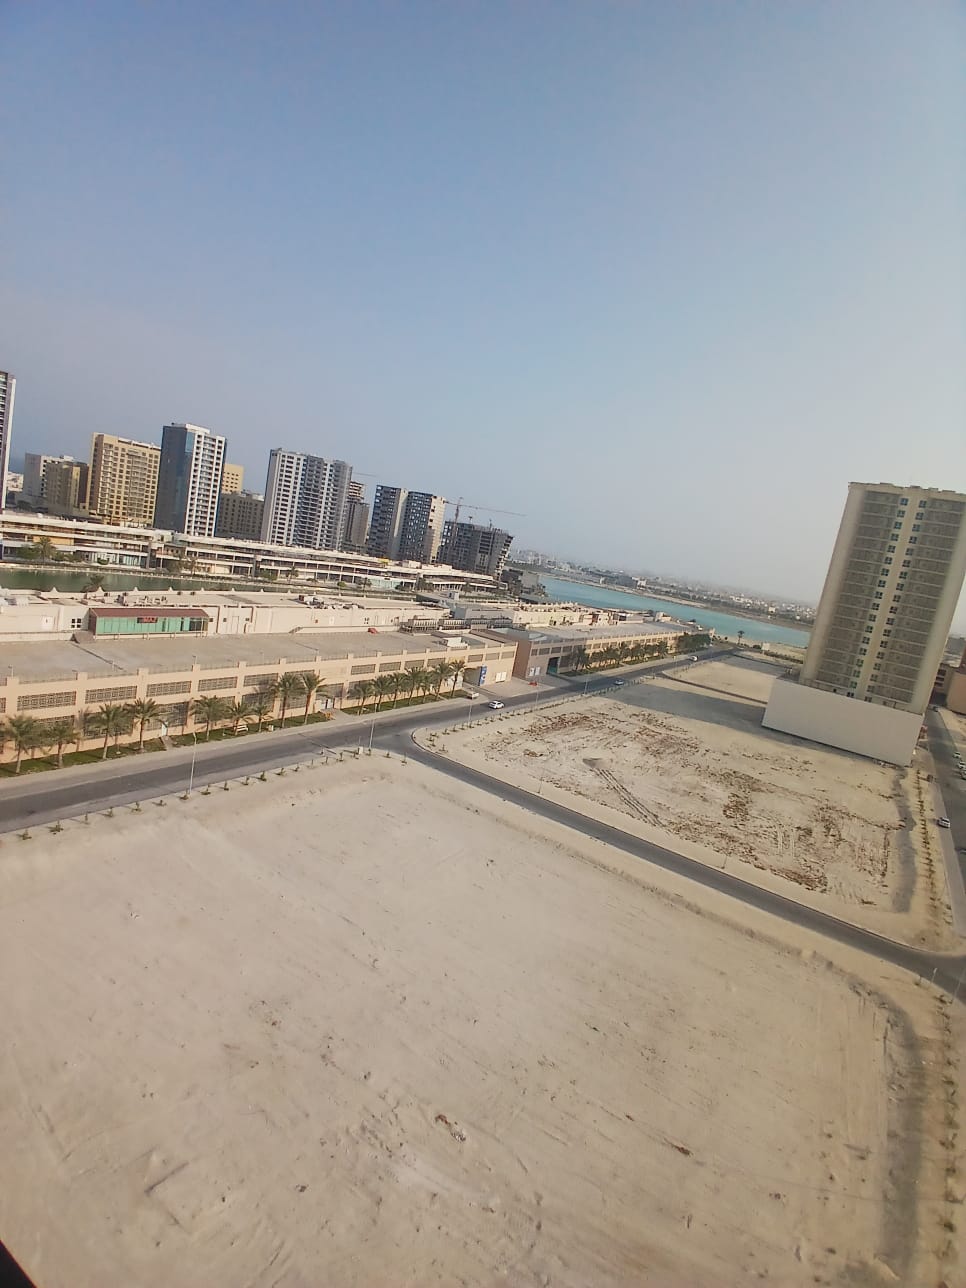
724 623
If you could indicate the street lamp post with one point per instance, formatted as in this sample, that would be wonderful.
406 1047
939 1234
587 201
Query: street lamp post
194 752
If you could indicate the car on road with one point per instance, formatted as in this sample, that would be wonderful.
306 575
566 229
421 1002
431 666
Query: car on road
942 822
618 683
692 659
496 705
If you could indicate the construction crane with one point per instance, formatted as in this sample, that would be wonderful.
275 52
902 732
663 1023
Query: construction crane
490 509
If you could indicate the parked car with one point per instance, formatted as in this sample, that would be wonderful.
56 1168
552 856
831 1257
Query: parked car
496 705
942 822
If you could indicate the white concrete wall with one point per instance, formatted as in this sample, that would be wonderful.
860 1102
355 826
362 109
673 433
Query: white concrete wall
881 733
51 619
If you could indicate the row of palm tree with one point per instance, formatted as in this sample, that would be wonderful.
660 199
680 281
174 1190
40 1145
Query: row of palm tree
113 720
415 679
621 654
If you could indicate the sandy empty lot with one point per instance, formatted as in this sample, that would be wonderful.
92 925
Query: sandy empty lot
362 1026
688 755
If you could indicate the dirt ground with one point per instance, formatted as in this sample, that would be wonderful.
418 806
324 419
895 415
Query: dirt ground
688 755
364 1026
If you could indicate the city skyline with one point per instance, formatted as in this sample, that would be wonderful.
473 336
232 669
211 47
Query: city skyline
610 262
356 493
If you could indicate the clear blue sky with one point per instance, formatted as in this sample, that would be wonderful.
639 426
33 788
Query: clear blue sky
663 277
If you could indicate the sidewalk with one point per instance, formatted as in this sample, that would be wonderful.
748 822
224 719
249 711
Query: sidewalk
25 786
948 837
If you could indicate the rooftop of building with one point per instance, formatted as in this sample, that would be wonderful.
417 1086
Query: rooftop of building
64 659
899 489
565 634
201 597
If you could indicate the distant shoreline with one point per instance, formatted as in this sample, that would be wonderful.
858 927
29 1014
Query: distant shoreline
793 622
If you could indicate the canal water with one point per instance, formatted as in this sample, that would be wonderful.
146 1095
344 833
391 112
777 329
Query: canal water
67 579
12 578
758 632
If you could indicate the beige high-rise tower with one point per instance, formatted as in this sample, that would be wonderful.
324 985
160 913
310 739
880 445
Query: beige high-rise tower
232 478
882 622
123 481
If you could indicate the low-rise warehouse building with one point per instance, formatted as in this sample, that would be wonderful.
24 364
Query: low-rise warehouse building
553 651
62 678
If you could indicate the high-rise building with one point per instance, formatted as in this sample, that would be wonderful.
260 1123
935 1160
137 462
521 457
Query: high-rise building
356 526
189 480
406 525
36 468
123 484
305 500
232 478
240 515
8 390
357 490
65 486
422 527
474 547
386 522
882 623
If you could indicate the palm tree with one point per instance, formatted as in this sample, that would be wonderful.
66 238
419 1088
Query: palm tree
211 709
95 582
286 687
61 732
383 686
311 683
439 672
361 690
23 731
411 677
262 704
456 670
398 680
110 718
238 710
142 710
45 549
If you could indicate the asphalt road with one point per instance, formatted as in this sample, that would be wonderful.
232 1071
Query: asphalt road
34 799
943 749
950 970
45 798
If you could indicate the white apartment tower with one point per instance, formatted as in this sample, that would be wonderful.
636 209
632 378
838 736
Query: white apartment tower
8 390
882 622
305 500
189 480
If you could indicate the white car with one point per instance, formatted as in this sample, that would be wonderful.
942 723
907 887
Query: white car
496 705
942 822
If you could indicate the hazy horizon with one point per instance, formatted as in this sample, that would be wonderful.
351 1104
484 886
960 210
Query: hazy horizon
661 279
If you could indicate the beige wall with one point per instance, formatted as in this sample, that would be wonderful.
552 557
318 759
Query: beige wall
956 692
76 691
866 728
232 477
123 481
533 655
